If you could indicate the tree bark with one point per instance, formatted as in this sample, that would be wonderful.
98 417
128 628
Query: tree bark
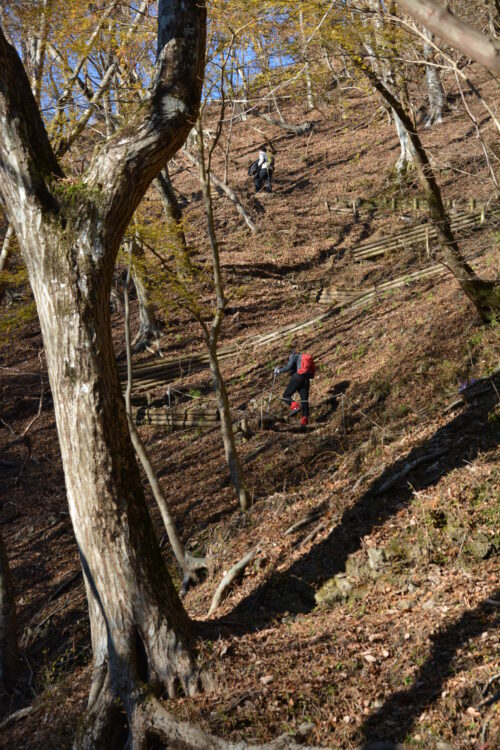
435 91
173 216
230 449
384 68
149 328
69 235
4 257
307 72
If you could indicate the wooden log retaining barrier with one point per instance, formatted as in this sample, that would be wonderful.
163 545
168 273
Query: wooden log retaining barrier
422 233
154 374
355 298
345 205
176 418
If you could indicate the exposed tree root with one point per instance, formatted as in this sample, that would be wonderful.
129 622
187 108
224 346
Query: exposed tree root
144 338
135 716
190 567
152 720
16 716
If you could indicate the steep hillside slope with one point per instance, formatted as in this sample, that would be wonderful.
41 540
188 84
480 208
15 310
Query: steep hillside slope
370 610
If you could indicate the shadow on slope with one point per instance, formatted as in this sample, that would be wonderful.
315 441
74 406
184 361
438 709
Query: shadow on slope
396 718
450 447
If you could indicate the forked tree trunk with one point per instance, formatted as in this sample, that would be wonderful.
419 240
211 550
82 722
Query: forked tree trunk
69 236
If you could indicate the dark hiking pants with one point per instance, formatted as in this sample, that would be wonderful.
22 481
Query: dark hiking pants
263 177
298 383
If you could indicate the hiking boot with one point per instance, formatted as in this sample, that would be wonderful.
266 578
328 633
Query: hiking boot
294 408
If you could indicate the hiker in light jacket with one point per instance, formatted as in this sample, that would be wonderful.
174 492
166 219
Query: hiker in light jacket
264 170
301 368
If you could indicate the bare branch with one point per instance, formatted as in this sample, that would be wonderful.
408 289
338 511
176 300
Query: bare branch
454 31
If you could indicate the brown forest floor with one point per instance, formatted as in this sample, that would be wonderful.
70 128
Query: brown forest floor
406 654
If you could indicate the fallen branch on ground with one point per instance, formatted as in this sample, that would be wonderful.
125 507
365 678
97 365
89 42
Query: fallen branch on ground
229 192
309 518
312 534
374 470
406 470
231 576
301 129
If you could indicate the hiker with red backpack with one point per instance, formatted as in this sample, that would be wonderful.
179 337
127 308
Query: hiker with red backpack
302 368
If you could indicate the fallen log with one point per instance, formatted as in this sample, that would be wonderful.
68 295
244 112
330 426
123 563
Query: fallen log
301 129
344 204
160 372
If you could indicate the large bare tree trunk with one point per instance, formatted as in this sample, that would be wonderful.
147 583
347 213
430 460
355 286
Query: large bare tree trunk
69 236
140 631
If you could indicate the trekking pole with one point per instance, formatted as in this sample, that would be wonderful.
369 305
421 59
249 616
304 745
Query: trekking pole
271 394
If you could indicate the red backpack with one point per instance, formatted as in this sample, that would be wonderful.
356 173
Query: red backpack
307 366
